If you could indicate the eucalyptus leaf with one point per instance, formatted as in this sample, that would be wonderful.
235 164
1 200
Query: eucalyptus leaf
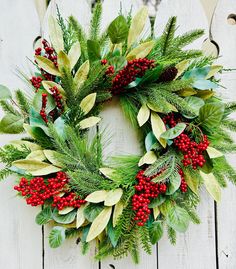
173 185
157 201
59 125
37 121
111 234
197 73
118 30
5 93
174 132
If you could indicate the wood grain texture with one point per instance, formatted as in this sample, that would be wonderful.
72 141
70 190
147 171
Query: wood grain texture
20 237
225 36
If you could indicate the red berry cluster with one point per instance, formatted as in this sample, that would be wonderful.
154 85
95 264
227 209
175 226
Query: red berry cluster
50 54
37 190
36 82
171 120
57 97
44 104
145 189
134 68
183 185
193 151
110 70
68 200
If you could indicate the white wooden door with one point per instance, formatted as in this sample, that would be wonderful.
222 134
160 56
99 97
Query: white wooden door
210 245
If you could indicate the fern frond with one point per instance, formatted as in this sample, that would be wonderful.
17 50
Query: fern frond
187 38
22 102
171 235
168 35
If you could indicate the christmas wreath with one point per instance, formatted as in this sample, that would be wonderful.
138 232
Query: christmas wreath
168 93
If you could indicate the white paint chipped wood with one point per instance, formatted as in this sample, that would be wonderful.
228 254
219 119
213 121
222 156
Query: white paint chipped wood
203 247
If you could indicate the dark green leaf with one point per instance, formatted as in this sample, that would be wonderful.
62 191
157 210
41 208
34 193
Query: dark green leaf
208 165
174 132
64 219
156 232
37 121
44 216
178 219
111 234
210 115
151 75
5 93
92 211
85 232
174 184
56 236
195 103
11 124
118 30
93 50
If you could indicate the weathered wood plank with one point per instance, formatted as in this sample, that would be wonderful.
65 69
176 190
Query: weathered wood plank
21 241
224 34
196 248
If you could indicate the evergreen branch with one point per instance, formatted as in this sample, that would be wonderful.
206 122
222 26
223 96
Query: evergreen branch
8 108
168 35
129 109
22 102
9 154
222 169
171 235
5 173
187 38
95 22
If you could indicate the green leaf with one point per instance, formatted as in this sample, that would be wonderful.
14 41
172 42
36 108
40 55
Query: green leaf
208 165
37 101
158 127
91 211
89 122
141 51
82 74
214 153
118 30
157 201
204 84
93 50
56 236
64 219
112 235
197 73
178 219
137 25
56 35
210 115
88 103
99 224
11 124
37 121
156 232
143 115
63 61
44 216
150 141
165 207
212 185
59 125
5 93
36 168
195 103
173 185
47 65
151 75
174 132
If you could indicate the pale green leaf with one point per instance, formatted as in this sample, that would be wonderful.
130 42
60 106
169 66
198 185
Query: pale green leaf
214 153
137 25
113 197
47 84
63 61
80 219
11 124
36 168
178 219
82 74
143 115
97 196
149 158
50 155
89 122
158 127
214 69
212 185
181 67
118 209
88 103
74 54
5 93
141 51
99 224
47 65
37 155
56 35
